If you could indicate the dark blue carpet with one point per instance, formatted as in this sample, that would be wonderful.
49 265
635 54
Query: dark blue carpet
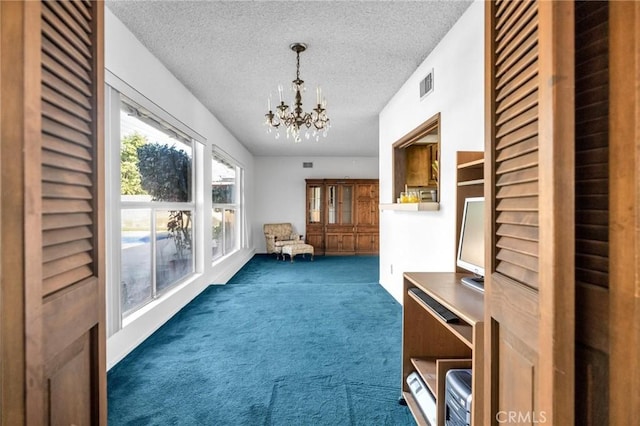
308 343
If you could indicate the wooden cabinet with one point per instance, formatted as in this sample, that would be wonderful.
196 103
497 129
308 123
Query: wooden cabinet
342 216
419 165
431 346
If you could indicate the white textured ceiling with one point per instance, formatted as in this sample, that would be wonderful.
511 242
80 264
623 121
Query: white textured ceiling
232 54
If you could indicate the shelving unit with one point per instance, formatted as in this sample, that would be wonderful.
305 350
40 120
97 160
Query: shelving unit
432 347
469 182
411 207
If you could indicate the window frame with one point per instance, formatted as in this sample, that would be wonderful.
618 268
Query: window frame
237 205
115 89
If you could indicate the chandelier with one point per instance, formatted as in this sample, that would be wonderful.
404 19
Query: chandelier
295 119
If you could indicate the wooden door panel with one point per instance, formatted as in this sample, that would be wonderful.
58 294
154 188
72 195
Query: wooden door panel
79 302
367 243
529 176
518 369
365 214
518 306
52 165
71 232
348 243
363 242
317 241
69 376
592 380
332 242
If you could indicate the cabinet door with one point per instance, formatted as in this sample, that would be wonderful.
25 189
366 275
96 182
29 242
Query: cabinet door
314 204
367 243
340 242
418 165
348 243
367 204
332 205
346 204
333 242
316 239
529 313
340 204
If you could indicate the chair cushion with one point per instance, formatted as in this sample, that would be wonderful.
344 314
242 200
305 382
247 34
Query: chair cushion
283 243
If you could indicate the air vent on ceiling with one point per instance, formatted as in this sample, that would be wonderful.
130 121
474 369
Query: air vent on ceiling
426 85
307 165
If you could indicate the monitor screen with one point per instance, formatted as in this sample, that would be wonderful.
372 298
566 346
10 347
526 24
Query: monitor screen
471 245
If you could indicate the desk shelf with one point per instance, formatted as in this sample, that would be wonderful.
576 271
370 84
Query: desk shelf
431 347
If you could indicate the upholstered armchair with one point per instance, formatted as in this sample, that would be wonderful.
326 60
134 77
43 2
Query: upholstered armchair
279 235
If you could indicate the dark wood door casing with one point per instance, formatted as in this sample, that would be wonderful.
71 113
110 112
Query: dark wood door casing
624 211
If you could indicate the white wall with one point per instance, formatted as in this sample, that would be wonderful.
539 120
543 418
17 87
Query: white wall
424 241
280 187
131 62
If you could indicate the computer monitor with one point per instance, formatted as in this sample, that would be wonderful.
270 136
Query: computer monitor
471 245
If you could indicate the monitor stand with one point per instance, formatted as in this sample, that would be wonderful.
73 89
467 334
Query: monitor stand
476 283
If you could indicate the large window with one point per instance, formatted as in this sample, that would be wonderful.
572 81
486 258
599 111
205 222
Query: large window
226 187
156 206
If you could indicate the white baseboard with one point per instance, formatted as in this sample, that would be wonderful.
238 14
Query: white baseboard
142 324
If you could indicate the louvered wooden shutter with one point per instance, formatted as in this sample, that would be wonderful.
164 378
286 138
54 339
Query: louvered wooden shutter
72 211
516 141
529 162
592 212
592 141
67 145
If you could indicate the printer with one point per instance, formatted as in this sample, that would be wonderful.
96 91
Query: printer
423 397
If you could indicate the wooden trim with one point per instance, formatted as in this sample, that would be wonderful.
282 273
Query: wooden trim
424 128
21 280
556 213
32 215
624 203
399 158
490 356
12 327
99 401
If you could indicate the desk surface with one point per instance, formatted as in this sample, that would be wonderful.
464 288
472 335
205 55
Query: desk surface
447 289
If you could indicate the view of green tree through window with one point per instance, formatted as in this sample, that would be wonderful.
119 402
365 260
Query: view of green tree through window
156 170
